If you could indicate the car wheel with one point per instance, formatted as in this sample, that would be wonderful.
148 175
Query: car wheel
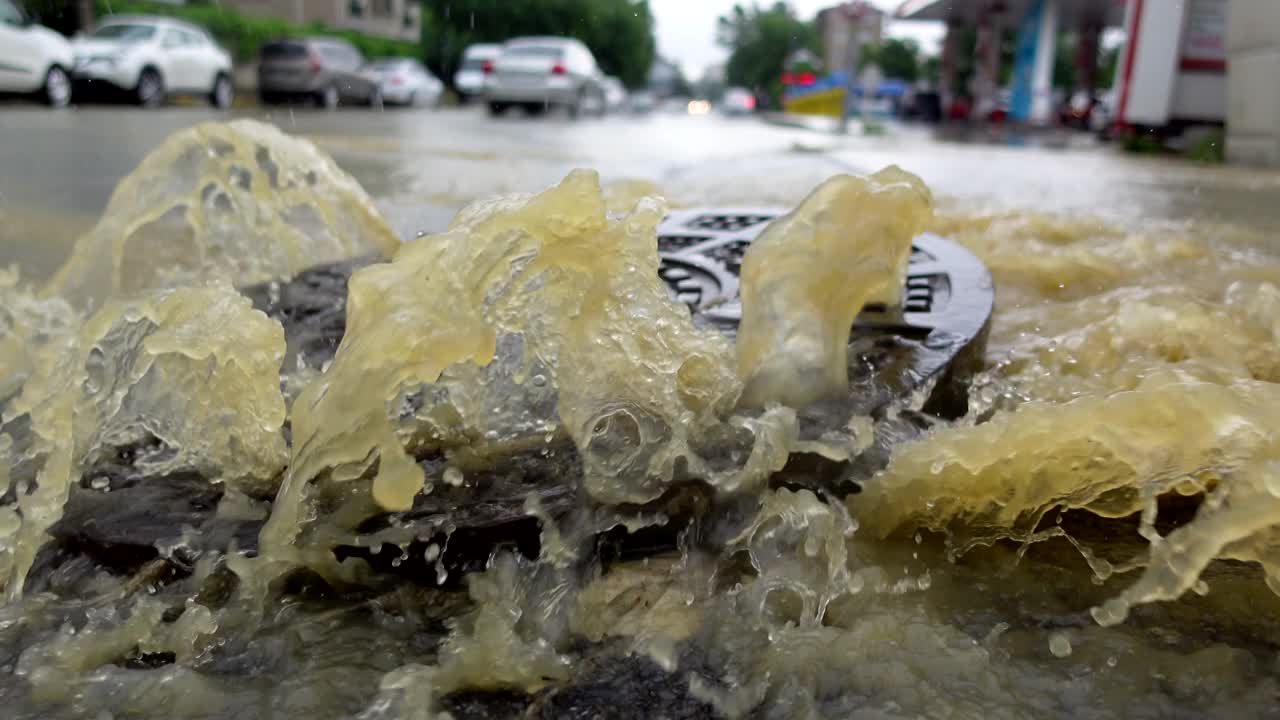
150 89
56 92
497 108
375 99
328 98
575 108
223 92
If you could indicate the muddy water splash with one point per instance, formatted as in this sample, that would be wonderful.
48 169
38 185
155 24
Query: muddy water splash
807 276
152 374
1125 424
240 201
529 315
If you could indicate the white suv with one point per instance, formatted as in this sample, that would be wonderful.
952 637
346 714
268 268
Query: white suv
33 59
149 58
542 72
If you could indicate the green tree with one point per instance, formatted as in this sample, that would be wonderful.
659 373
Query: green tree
759 42
1107 67
931 69
619 32
1064 62
898 59
65 16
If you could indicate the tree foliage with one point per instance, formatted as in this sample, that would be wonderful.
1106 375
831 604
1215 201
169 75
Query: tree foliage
243 35
898 59
619 32
759 42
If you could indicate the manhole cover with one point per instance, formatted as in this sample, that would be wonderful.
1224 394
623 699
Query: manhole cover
946 304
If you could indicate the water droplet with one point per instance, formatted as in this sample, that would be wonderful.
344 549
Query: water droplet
539 380
432 552
491 435
919 538
1271 478
453 476
1059 645
925 581
937 467
1111 661
420 234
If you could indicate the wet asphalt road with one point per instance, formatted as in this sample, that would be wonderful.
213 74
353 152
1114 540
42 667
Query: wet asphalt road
58 169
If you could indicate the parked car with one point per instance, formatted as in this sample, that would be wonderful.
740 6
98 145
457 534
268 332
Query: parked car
738 101
615 94
33 59
405 81
326 70
151 58
544 72
642 102
469 80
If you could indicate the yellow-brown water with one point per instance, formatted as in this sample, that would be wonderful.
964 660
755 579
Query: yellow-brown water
1094 539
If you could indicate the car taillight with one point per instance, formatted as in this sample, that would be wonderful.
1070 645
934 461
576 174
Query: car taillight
313 62
487 67
751 102
397 80
559 69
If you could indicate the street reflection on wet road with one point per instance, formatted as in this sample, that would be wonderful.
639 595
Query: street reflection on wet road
57 170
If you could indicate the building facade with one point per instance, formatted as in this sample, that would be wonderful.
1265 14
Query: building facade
845 29
1253 108
396 19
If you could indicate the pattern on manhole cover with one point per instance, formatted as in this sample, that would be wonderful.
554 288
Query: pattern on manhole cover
946 286
937 334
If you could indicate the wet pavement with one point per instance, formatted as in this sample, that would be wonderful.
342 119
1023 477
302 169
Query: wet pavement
57 170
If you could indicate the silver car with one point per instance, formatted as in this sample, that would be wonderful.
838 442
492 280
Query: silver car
537 73
327 70
404 81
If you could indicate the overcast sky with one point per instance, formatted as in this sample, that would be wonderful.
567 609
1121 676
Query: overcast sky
687 28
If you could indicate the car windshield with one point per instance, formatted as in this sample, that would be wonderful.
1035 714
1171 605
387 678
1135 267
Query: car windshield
283 51
125 32
389 66
473 64
544 51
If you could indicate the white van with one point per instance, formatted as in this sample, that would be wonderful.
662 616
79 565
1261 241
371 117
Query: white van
469 80
33 59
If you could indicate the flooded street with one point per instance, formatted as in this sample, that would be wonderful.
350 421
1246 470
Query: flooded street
211 508
57 171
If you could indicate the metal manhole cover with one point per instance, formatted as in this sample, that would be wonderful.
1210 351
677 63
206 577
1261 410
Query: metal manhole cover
940 326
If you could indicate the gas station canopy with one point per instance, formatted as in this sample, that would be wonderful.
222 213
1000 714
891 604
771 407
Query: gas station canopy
1073 13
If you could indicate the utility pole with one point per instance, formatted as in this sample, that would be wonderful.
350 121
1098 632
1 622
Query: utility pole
84 12
855 35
